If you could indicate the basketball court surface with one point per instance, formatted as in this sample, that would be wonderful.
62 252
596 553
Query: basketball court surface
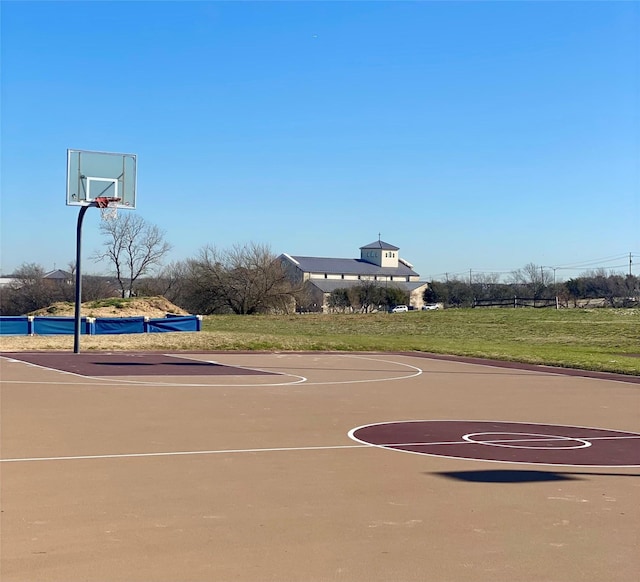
255 467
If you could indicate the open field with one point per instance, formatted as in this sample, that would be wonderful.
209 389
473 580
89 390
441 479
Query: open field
594 339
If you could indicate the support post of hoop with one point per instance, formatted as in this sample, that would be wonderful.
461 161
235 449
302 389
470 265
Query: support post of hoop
78 318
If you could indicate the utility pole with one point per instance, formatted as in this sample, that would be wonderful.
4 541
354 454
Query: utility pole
630 262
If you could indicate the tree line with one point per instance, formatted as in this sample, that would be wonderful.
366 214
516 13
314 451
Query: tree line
245 279
248 279
534 283
365 297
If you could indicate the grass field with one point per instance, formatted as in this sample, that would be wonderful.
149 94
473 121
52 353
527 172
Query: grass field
591 339
598 339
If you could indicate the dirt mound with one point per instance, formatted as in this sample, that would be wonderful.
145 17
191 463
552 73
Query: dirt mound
115 307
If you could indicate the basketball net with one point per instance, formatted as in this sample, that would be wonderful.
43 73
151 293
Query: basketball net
108 207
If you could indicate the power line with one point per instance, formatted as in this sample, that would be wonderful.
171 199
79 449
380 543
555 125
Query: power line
590 264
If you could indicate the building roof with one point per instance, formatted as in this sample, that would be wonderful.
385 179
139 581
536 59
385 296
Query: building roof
329 285
380 244
58 274
350 267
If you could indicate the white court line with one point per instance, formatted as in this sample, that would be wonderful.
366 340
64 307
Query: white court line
485 421
402 449
134 383
364 445
183 453
105 381
509 443
498 441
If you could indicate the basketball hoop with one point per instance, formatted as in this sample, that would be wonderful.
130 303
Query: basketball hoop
108 207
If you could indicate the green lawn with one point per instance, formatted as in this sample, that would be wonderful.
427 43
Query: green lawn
593 339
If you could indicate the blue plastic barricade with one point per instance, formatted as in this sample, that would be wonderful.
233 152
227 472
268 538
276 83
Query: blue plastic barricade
41 325
15 325
118 325
174 323
59 326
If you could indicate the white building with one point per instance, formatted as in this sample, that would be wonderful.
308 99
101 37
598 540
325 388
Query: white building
379 261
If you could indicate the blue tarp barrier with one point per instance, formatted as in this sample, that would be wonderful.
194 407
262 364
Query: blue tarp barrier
22 325
15 325
59 326
117 325
174 323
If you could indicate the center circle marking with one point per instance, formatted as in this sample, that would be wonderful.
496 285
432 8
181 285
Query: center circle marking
508 442
503 441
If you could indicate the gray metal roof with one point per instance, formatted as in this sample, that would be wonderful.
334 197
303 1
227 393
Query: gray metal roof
329 285
350 267
380 244
58 274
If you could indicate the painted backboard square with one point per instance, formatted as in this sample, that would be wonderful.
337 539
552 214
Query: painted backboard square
95 174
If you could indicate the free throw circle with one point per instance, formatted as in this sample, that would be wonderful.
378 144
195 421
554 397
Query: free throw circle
507 442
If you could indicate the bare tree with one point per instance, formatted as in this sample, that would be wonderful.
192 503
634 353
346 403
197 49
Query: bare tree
306 300
98 287
171 281
532 278
28 291
93 286
243 279
135 248
367 295
339 301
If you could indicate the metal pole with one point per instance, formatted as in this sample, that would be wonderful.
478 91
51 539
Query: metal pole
78 320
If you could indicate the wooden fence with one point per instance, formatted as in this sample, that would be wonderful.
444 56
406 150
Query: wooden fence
517 302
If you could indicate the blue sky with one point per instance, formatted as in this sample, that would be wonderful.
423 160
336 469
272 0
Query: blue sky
472 135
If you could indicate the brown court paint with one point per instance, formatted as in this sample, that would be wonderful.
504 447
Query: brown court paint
253 476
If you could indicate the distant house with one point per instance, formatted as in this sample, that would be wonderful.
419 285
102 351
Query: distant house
55 277
58 276
379 261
